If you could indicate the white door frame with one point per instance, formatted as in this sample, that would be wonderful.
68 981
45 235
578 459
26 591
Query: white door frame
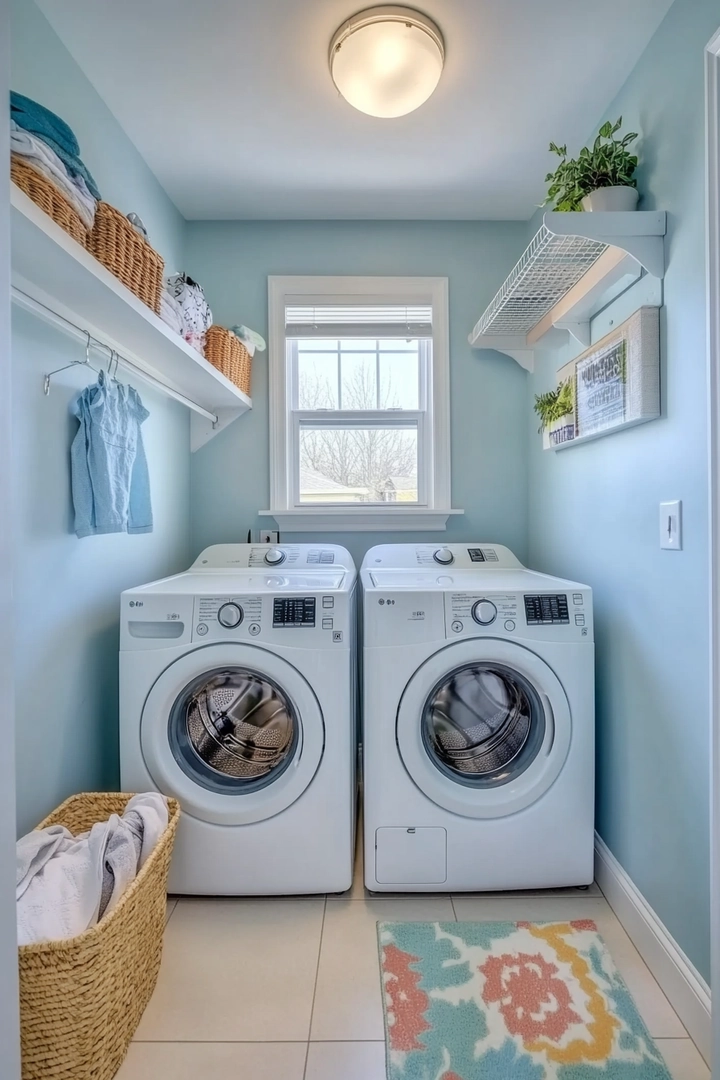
712 83
9 1025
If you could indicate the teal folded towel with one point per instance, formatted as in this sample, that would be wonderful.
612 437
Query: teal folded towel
38 120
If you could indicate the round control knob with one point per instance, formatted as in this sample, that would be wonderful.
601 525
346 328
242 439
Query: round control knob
230 616
275 556
484 612
444 556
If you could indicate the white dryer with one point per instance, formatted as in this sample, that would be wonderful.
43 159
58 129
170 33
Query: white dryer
478 722
238 697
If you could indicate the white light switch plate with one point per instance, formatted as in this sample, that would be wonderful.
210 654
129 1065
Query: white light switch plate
671 525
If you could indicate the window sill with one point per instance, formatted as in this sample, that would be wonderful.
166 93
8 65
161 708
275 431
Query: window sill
367 519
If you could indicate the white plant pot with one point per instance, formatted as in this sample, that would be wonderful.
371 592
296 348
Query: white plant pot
611 198
559 431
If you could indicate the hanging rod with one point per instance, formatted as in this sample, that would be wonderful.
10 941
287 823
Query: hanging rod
47 313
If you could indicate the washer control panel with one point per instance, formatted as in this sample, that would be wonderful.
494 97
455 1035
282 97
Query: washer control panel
548 616
294 611
547 609
222 618
476 610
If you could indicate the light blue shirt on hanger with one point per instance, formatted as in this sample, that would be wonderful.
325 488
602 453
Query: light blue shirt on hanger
110 480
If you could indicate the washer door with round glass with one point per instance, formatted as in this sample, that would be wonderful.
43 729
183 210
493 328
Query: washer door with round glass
234 732
484 728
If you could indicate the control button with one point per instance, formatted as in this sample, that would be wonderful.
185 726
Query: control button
444 556
577 598
457 626
579 620
230 616
275 556
201 629
337 635
254 629
509 624
328 601
484 612
327 624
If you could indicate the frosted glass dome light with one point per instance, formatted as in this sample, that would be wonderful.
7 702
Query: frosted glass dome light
386 61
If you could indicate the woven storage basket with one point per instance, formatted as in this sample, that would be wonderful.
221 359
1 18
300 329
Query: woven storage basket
227 353
49 198
127 255
81 999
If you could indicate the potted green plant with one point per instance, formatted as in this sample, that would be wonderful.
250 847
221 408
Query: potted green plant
556 409
601 177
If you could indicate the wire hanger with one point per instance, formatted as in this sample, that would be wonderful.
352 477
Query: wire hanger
75 363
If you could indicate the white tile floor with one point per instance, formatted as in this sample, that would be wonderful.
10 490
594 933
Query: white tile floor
289 989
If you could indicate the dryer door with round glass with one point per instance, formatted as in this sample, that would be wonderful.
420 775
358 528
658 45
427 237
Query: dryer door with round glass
484 728
234 732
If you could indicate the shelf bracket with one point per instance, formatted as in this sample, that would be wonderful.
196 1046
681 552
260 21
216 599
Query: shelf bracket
513 345
579 330
640 233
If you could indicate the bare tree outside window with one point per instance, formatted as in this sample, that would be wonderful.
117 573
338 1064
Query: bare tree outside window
370 462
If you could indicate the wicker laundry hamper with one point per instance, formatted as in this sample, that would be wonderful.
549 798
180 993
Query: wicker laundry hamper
226 352
127 255
81 999
48 197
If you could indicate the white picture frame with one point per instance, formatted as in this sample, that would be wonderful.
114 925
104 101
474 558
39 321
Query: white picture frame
616 381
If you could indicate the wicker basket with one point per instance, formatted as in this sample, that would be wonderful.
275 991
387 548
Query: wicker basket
81 999
127 255
226 352
49 198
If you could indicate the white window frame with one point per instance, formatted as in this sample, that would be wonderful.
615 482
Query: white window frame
434 509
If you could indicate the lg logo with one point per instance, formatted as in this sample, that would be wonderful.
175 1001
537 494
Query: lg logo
388 602
136 603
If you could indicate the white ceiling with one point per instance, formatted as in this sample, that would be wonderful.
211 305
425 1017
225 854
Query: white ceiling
232 106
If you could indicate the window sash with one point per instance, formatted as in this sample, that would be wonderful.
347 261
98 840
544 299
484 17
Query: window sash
425 373
375 418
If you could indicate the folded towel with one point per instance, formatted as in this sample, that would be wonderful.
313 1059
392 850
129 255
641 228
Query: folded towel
42 157
38 155
250 339
196 312
38 120
171 312
65 883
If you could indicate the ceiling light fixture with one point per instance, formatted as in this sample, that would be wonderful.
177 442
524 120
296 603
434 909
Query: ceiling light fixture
386 61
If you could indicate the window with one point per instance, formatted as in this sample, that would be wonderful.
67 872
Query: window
359 403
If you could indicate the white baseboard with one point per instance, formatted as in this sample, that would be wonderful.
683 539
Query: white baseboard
681 982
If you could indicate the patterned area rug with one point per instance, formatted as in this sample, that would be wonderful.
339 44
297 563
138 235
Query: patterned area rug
509 1001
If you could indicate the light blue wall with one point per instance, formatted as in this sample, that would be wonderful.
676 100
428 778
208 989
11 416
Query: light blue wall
67 590
489 432
594 517
44 70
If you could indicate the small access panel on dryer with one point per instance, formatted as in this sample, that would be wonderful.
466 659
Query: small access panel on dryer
409 856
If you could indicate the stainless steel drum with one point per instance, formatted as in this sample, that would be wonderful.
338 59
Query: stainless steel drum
233 728
483 723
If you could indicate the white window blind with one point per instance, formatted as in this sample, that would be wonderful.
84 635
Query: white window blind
358 321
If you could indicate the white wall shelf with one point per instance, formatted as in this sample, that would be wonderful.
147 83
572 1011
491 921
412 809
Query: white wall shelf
58 273
573 267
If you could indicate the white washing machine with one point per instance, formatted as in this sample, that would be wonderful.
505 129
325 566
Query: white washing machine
238 697
478 732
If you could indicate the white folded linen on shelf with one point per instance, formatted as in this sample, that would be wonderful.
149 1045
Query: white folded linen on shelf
43 158
65 883
171 312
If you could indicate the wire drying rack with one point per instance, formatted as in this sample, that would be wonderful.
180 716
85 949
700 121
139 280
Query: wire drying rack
548 268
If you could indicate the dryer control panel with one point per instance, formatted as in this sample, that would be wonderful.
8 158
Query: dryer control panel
550 616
